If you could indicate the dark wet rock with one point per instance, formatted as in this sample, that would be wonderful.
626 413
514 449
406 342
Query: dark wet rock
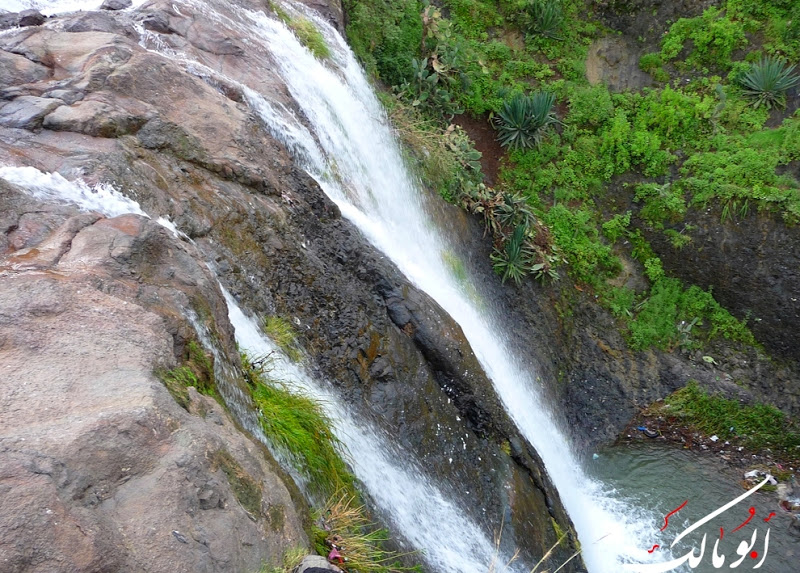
27 111
115 4
30 18
157 22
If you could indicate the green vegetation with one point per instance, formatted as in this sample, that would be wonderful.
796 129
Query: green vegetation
585 193
757 425
305 31
197 370
346 525
283 334
523 121
767 81
298 427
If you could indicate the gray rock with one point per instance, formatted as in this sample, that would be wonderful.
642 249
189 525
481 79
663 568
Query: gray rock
16 69
94 440
115 4
98 22
27 111
93 118
9 20
69 97
31 18
310 563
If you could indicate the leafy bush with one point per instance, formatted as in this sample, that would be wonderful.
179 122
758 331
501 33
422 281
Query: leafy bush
590 107
714 38
523 121
767 82
385 35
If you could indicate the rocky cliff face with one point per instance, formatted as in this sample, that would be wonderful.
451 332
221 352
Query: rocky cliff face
84 99
101 469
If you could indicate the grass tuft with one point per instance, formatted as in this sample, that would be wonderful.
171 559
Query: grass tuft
344 523
297 425
282 333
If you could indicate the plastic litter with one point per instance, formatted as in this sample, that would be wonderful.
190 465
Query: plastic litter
714 438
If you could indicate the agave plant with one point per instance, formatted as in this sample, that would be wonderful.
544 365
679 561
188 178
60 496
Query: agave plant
544 17
514 259
523 121
768 81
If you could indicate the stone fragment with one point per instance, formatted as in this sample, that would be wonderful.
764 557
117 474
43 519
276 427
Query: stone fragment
31 18
115 4
27 111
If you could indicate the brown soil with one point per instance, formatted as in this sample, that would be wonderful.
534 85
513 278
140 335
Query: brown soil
480 130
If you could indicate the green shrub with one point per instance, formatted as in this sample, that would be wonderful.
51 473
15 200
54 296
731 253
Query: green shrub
589 107
523 121
385 35
197 371
767 82
543 18
310 37
513 261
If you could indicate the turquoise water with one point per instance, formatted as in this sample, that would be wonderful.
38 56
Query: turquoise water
660 478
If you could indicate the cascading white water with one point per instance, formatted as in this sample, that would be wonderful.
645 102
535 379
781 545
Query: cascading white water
374 190
448 539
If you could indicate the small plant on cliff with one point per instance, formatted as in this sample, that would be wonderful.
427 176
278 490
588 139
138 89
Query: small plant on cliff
523 121
282 333
767 81
344 523
310 37
197 370
297 425
543 18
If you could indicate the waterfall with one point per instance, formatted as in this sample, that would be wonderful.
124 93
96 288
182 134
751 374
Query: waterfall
430 523
373 189
449 541
344 141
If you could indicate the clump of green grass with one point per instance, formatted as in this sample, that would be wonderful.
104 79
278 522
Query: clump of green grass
197 370
346 522
297 426
758 425
310 37
283 334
